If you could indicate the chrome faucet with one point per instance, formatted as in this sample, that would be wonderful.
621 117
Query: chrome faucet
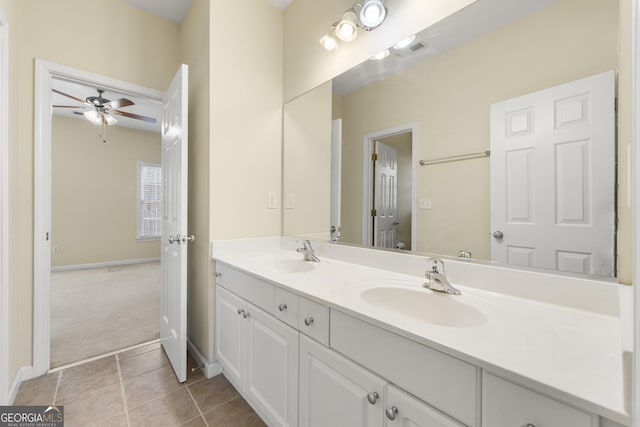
307 251
436 279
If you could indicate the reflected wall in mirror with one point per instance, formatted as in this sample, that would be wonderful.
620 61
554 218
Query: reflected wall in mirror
448 95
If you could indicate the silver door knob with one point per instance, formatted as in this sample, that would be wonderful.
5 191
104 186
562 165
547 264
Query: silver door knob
373 397
498 234
282 307
240 311
308 321
391 412
172 240
190 238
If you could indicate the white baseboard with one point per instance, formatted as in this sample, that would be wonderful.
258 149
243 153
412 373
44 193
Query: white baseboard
209 369
105 264
23 374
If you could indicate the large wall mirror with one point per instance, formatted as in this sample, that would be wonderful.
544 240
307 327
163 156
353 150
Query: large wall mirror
490 136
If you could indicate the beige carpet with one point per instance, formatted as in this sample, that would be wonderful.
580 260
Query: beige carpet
96 311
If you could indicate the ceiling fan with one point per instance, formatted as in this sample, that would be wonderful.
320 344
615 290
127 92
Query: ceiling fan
100 111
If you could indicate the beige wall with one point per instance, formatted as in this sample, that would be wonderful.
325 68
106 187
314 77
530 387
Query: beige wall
307 161
194 46
306 65
457 88
246 118
143 49
94 198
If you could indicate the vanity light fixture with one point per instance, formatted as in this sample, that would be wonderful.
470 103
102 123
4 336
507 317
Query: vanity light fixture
329 40
346 29
404 42
381 55
372 13
366 15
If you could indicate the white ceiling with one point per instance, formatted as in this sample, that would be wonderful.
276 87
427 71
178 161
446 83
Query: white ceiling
176 10
473 21
143 106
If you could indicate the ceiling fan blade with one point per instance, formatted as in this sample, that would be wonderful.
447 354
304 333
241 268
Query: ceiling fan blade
68 96
119 103
68 106
134 116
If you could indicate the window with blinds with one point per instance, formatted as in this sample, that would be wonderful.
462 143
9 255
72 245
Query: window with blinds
150 198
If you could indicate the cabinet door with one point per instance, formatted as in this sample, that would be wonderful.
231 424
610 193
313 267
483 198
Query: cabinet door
272 368
335 391
231 335
405 410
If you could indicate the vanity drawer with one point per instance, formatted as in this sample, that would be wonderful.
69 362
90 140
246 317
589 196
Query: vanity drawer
286 307
505 404
442 381
246 286
314 320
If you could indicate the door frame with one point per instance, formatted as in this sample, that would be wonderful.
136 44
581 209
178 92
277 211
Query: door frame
635 162
4 209
368 143
45 71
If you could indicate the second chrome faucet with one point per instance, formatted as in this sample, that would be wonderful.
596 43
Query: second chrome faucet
436 279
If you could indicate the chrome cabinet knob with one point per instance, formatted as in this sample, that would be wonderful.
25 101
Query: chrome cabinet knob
282 307
498 235
373 397
308 321
391 412
240 311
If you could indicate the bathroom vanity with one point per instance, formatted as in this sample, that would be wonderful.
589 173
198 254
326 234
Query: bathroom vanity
356 340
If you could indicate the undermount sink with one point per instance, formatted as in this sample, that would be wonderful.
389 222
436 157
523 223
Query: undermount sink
282 264
425 306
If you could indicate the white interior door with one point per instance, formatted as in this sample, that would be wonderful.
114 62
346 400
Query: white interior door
336 177
173 299
553 177
385 196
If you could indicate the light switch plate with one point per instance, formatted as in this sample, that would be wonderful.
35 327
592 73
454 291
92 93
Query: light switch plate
291 201
425 203
272 200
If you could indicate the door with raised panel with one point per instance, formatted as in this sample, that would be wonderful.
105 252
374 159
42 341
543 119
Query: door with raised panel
405 410
553 178
231 335
272 367
385 196
335 391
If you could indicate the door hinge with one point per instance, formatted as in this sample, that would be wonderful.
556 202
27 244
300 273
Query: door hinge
47 236
374 212
374 157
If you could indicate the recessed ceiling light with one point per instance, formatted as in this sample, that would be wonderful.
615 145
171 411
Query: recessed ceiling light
381 55
404 42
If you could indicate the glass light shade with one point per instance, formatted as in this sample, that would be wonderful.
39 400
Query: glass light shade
346 29
404 42
381 55
110 119
372 13
93 117
328 41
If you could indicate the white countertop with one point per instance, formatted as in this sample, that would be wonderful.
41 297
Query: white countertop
572 354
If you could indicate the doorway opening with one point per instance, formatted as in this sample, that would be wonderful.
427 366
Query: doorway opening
389 181
97 168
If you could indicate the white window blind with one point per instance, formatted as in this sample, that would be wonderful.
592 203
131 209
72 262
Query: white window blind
150 198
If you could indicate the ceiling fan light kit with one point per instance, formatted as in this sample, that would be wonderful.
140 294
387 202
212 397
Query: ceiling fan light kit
367 16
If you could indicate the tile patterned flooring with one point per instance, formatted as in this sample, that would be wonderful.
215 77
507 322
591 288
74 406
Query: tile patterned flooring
138 388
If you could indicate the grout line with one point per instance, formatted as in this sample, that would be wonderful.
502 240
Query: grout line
196 403
55 393
124 397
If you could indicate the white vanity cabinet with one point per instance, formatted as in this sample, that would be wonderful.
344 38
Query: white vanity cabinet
336 392
260 357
